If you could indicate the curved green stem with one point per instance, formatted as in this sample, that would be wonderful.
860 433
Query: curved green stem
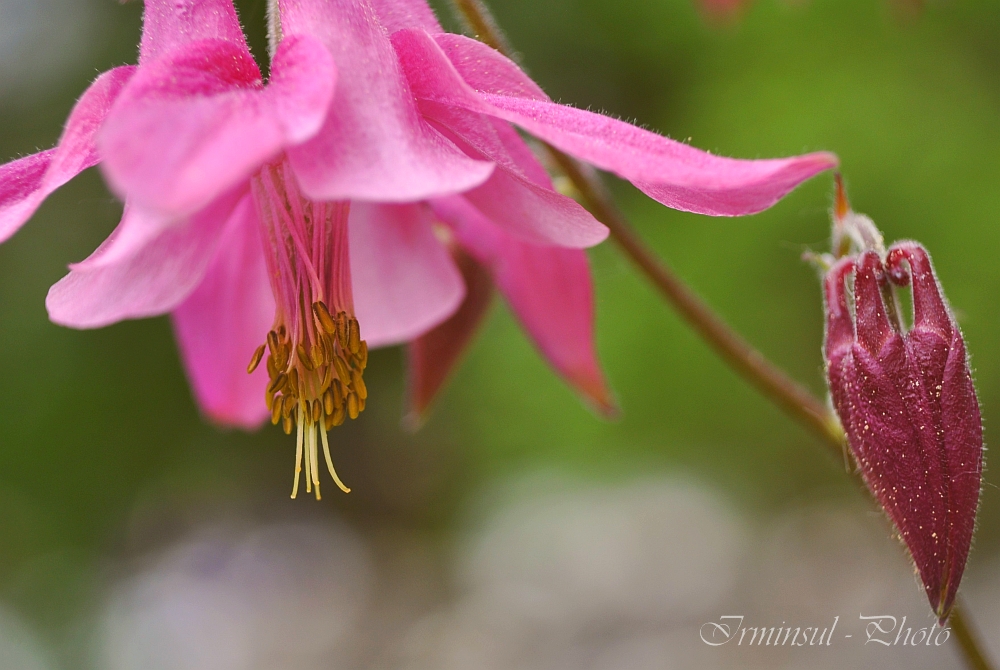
727 343
769 379
740 355
968 639
480 22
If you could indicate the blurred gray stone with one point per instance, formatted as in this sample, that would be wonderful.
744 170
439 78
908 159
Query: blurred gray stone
282 596
20 648
577 575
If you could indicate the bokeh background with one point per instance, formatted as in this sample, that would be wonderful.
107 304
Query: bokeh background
516 529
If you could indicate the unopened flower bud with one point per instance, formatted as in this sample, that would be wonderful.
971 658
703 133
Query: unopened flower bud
907 403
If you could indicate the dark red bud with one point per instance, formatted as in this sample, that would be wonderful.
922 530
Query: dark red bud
909 408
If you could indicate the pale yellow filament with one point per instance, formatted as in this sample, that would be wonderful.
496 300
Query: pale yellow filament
329 460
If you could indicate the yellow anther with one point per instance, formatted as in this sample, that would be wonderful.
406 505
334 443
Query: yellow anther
324 318
327 379
339 416
353 336
255 361
359 384
315 383
288 403
278 383
342 330
304 358
281 358
342 371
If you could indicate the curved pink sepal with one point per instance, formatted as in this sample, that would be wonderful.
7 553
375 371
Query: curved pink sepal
169 24
548 288
152 280
197 122
400 14
433 356
22 190
519 195
221 324
26 182
404 281
374 145
487 70
673 173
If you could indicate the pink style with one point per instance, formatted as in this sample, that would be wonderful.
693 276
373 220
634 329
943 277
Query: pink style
369 193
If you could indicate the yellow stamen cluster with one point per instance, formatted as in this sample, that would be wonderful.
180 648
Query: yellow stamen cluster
315 384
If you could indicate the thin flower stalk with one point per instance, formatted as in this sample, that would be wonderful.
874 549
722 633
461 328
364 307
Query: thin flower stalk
731 347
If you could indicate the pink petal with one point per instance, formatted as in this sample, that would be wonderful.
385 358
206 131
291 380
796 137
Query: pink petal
25 183
404 280
548 288
374 145
301 85
197 122
525 206
670 172
223 321
152 281
523 160
485 69
399 14
21 190
169 24
134 233
432 356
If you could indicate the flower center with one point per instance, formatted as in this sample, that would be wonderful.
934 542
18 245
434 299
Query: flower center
315 354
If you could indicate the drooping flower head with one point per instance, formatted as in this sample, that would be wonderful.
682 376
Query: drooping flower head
371 192
906 400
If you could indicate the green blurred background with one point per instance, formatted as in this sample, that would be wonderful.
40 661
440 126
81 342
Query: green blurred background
103 454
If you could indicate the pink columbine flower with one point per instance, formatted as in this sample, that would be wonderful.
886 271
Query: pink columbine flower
330 208
906 400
